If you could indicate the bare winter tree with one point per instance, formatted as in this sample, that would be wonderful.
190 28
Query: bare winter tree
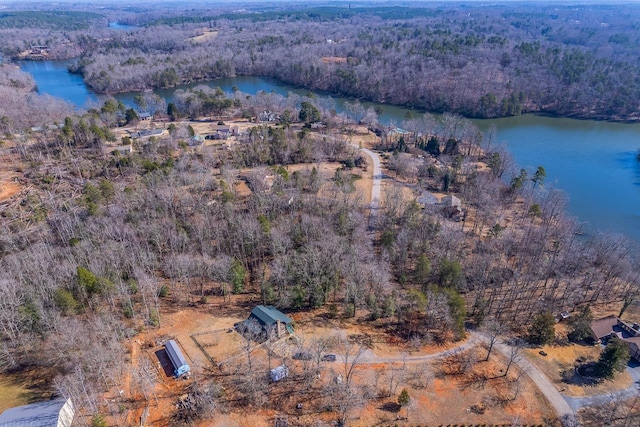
515 349
492 331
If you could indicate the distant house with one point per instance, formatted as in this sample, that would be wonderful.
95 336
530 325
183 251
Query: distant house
267 116
223 132
52 413
451 201
426 199
146 133
610 326
178 361
145 116
39 50
452 207
395 134
122 149
278 373
195 140
48 127
266 322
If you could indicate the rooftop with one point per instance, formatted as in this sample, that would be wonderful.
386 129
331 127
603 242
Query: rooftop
603 327
269 315
42 414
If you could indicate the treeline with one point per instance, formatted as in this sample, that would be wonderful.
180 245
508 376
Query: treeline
54 20
478 62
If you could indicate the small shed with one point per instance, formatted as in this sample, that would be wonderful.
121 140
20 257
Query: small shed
278 373
145 116
52 413
180 364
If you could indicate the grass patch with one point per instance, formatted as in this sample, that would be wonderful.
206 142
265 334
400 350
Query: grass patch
22 388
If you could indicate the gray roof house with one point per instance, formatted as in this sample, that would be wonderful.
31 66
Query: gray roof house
427 198
451 201
266 322
610 326
602 328
52 413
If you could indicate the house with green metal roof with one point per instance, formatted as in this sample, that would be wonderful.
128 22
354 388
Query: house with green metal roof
266 322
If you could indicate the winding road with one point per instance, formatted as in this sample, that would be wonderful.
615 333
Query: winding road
371 358
562 404
546 387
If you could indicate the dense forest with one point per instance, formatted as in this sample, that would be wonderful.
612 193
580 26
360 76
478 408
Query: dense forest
478 61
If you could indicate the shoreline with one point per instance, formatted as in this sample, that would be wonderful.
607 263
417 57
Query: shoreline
538 112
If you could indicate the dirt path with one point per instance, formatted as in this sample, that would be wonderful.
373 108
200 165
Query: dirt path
546 387
371 358
376 193
133 416
377 178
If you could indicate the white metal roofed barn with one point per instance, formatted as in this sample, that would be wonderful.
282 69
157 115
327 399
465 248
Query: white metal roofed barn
180 364
52 413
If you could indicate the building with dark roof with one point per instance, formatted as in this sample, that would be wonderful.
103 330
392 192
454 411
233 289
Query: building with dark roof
266 322
602 328
52 413
610 326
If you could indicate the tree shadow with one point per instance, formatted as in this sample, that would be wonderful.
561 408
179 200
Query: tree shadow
582 375
392 407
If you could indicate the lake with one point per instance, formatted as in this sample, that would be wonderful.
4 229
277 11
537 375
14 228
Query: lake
118 26
594 163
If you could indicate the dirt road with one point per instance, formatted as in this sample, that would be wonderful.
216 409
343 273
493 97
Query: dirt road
546 387
371 358
376 187
377 178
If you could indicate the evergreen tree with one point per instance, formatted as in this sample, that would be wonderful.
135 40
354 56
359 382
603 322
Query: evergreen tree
542 329
131 116
613 358
581 325
433 146
308 113
404 399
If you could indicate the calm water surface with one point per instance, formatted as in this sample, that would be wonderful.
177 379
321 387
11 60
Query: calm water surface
53 79
593 162
118 26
